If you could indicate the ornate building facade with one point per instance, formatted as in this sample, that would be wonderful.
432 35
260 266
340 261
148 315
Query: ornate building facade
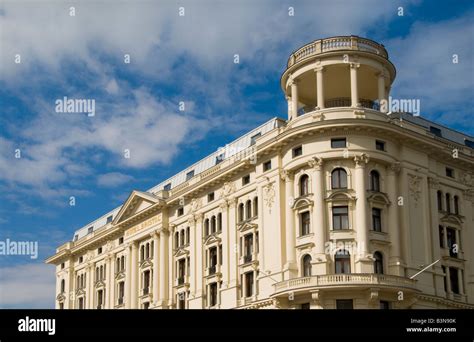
343 205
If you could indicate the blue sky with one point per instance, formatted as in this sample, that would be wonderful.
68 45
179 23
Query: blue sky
174 59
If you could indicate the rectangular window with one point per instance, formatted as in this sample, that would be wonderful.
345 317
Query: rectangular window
62 265
344 304
248 284
220 158
297 151
81 259
99 250
267 165
441 236
340 218
469 143
377 219
384 305
121 292
213 294
454 279
181 271
248 247
452 245
189 175
120 240
76 237
444 278
304 223
436 131
167 187
338 143
379 145
305 306
109 218
449 172
253 139
180 211
90 230
210 197
246 180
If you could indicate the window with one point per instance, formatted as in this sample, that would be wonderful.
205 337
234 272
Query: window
187 235
81 259
76 237
267 165
62 265
213 294
248 209
377 219
121 292
63 286
304 223
142 253
90 230
181 238
248 284
109 219
339 179
379 145
212 260
176 239
206 227
146 305
439 195
100 299
213 224
344 304
378 263
99 250
469 143
448 203
307 265
181 301
340 218
146 282
61 306
241 212
120 240
454 279
181 271
452 245
449 172
305 306
343 261
374 181
384 305
444 278
246 180
441 236
456 205
297 151
81 303
436 131
253 139
255 206
338 143
167 187
189 175
248 247
304 185
180 211
219 222
210 197
220 158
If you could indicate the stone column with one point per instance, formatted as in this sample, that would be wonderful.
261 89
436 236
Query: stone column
319 211
294 99
363 264
156 268
289 104
134 277
112 281
381 92
290 267
90 284
128 277
394 262
225 243
199 256
163 267
354 85
319 87
233 244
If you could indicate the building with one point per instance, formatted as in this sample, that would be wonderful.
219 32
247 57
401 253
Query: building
337 207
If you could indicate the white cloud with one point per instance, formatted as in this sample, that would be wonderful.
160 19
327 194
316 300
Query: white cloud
27 286
113 179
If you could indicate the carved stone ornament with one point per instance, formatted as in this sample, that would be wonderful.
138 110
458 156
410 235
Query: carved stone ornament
195 204
269 195
361 159
414 187
315 163
227 189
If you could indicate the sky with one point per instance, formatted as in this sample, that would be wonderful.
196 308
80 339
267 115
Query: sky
173 60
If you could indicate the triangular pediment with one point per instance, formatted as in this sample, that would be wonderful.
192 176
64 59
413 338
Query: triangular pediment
136 202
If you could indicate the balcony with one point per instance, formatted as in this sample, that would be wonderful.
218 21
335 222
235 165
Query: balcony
344 280
334 44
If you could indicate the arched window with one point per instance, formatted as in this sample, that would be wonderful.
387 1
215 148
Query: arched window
248 209
378 263
343 261
147 251
448 203
63 286
339 179
440 200
97 274
255 207
374 180
304 185
307 265
206 227
142 253
241 212
151 249
456 205
213 224
219 222
176 240
123 262
117 265
181 238
78 282
187 235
